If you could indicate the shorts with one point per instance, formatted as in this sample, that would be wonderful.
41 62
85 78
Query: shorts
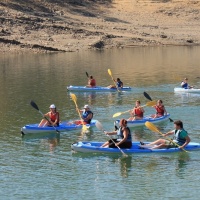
127 145
171 144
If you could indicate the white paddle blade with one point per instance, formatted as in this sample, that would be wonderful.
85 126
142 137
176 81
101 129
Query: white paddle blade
99 125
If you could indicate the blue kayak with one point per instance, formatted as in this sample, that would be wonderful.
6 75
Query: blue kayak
95 147
95 89
141 122
64 126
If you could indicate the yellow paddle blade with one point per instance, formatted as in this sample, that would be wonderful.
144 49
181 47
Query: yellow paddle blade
151 103
152 127
117 114
73 96
84 128
109 72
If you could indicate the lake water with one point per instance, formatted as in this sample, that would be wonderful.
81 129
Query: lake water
43 166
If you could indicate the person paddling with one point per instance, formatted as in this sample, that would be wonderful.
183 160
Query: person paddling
53 116
91 82
87 116
118 82
180 137
160 109
137 112
124 139
184 84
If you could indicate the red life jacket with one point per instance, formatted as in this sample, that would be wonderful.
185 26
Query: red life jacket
138 112
93 82
53 117
160 110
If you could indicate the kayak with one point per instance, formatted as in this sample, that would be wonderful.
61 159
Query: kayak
192 90
141 122
64 126
95 147
95 89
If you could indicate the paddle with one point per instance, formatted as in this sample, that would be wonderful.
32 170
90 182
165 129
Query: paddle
153 128
149 98
73 96
100 127
110 73
150 103
87 74
34 105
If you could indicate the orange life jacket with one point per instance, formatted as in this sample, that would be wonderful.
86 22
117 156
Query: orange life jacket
160 110
93 82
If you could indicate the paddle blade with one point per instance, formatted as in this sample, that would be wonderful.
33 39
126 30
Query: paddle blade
87 74
109 72
117 114
34 105
151 103
147 96
99 125
151 127
73 96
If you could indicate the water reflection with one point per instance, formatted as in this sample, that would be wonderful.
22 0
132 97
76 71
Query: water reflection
125 166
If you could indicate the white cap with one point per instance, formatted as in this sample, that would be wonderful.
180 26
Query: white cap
86 106
52 106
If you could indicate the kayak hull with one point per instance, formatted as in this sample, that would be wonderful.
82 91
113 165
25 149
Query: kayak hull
183 90
136 123
95 147
63 127
95 89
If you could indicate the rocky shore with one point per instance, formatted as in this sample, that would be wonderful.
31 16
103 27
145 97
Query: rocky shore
75 25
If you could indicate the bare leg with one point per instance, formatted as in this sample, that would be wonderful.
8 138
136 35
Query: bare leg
41 124
106 144
157 142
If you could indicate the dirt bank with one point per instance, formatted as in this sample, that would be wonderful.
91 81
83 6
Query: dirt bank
74 25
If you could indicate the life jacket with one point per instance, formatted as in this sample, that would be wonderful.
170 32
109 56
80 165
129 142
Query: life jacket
160 110
85 115
185 85
119 84
121 136
93 82
178 138
138 112
53 117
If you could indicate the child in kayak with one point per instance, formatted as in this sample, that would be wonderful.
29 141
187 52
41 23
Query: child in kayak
53 116
124 139
181 138
137 112
160 109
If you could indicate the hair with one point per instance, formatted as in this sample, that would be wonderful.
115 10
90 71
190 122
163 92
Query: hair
179 123
91 77
123 122
160 100
118 79
137 101
185 78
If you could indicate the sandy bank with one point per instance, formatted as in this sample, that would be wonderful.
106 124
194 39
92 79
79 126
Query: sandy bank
68 26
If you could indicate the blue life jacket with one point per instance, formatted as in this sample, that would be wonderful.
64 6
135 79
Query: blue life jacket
85 115
121 136
185 85
178 138
119 84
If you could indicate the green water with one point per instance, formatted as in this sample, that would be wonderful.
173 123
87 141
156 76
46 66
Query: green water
43 166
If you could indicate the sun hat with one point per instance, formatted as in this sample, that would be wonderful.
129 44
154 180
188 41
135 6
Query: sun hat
52 106
86 106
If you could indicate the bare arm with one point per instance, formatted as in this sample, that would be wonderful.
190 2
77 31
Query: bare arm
125 134
186 143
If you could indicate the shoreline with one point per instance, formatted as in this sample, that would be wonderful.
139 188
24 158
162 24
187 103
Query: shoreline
67 27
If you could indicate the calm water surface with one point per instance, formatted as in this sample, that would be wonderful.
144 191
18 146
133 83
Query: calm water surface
43 166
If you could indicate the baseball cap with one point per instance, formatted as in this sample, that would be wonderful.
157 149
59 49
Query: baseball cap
52 106
86 106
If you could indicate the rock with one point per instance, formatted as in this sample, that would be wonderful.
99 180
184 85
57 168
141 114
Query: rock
99 44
